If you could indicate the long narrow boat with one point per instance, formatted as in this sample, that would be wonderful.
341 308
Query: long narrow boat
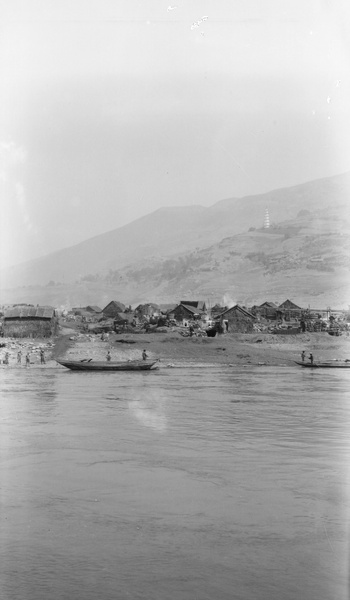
334 365
101 365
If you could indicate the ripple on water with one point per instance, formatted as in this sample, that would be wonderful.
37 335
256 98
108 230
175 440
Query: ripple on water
196 481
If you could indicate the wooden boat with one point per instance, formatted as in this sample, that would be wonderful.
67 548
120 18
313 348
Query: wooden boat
101 365
333 365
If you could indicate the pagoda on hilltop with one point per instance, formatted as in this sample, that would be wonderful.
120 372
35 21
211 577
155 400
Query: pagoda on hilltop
267 219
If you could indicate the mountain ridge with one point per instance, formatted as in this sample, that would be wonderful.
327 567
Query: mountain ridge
171 231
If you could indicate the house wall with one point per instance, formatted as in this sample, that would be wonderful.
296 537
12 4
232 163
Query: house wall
147 311
32 328
287 314
238 322
111 311
268 313
181 313
113 308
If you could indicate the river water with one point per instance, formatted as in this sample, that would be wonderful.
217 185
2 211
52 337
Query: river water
203 483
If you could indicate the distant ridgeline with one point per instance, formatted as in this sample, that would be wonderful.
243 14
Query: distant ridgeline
241 246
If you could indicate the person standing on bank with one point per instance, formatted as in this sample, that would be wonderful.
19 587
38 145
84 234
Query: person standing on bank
311 358
19 357
27 359
108 357
42 357
303 355
144 355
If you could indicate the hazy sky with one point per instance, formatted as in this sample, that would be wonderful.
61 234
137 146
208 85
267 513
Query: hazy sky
111 109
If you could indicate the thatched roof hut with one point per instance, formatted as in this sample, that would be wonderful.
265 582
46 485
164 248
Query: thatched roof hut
239 319
147 310
198 304
30 321
113 308
93 309
186 311
267 310
289 310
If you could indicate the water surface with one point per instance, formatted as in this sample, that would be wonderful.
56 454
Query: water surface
186 483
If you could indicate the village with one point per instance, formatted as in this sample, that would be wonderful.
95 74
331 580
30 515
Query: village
37 335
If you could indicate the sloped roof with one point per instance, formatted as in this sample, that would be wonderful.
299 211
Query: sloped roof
289 304
119 306
217 309
238 308
191 309
147 305
268 305
199 304
34 312
96 309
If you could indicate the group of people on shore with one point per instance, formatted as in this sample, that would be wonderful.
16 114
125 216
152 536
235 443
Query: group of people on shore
6 360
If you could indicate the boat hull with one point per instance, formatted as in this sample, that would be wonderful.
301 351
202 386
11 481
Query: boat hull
323 365
96 365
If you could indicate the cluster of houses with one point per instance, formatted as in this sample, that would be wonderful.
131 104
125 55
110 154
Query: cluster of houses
185 313
22 320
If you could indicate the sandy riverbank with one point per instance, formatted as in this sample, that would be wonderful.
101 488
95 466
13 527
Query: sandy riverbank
52 347
224 349
172 348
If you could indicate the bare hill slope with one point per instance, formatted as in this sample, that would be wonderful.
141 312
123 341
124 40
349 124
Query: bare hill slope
305 259
169 231
196 250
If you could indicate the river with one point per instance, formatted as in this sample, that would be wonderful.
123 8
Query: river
200 483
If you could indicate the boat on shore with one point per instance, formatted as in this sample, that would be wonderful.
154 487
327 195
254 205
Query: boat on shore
101 365
328 365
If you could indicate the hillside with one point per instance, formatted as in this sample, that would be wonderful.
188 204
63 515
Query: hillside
170 231
305 259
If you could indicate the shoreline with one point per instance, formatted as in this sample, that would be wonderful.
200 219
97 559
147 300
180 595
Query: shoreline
170 348
230 349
